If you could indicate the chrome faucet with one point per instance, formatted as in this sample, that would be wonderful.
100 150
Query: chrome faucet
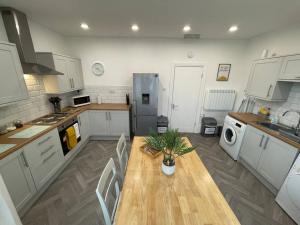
298 125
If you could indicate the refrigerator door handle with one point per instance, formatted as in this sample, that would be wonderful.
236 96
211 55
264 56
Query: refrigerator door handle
134 115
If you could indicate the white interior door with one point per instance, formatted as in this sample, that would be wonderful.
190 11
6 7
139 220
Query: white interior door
186 98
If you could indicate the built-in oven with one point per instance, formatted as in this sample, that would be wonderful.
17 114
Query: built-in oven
63 134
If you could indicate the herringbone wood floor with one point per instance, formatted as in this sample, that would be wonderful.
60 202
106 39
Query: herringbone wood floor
71 199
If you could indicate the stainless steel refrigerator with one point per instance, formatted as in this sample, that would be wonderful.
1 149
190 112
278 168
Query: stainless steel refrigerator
145 101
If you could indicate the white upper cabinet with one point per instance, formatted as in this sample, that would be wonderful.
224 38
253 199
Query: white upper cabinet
71 79
12 85
290 70
263 82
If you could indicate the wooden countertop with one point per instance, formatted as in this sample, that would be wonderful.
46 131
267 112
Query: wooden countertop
245 117
73 112
252 119
190 196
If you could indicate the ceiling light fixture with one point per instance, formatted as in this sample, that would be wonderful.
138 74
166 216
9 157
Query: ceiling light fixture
135 27
186 28
233 28
84 26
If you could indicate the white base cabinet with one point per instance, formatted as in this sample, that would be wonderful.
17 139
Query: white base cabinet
269 156
44 157
109 123
17 177
12 85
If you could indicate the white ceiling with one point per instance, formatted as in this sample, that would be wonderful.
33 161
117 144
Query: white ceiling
161 18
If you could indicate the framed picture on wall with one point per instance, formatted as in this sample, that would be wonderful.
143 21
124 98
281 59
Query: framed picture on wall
223 72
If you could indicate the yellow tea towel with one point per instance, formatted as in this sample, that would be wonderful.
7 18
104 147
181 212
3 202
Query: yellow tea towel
71 138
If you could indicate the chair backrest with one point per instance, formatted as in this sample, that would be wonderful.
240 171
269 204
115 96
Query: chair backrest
122 154
109 182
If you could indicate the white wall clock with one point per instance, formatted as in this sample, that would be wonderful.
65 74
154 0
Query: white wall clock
98 68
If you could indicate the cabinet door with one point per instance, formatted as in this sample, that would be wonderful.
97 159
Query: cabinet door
264 77
12 85
276 160
98 121
119 123
84 126
290 69
17 178
44 157
64 82
252 146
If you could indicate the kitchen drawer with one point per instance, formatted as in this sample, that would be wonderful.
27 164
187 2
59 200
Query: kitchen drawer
43 172
41 148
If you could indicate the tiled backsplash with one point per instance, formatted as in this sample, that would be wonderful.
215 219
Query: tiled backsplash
109 94
35 106
278 108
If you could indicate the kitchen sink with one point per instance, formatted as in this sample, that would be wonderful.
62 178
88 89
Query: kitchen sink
271 126
291 134
283 130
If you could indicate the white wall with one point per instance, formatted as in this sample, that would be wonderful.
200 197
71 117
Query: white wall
124 56
47 40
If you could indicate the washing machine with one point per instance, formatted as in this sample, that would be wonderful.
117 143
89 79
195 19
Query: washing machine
232 136
289 194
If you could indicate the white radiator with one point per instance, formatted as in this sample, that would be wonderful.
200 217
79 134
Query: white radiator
219 99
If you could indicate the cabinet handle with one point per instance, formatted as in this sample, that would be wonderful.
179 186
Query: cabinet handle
270 87
50 156
297 77
43 141
79 120
261 140
24 160
47 150
70 82
109 115
106 115
73 83
266 143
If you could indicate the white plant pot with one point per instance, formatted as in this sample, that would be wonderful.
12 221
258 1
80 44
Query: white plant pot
168 170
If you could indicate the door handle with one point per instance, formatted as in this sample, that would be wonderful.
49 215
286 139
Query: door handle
261 140
269 90
266 143
73 83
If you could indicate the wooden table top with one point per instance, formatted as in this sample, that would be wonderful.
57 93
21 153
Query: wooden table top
190 196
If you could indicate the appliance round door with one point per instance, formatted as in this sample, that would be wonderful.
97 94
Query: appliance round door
230 135
292 187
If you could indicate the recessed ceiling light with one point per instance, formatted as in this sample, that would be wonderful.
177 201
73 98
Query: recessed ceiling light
135 27
84 26
186 28
233 28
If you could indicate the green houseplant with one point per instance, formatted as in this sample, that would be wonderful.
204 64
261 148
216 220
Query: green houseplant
172 146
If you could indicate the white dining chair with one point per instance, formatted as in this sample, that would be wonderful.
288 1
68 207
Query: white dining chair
108 179
122 155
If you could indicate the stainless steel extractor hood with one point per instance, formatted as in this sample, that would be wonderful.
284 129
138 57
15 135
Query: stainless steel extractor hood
18 32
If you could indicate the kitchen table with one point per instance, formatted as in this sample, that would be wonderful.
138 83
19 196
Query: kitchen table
190 196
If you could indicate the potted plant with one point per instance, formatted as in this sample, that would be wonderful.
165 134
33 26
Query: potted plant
171 145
